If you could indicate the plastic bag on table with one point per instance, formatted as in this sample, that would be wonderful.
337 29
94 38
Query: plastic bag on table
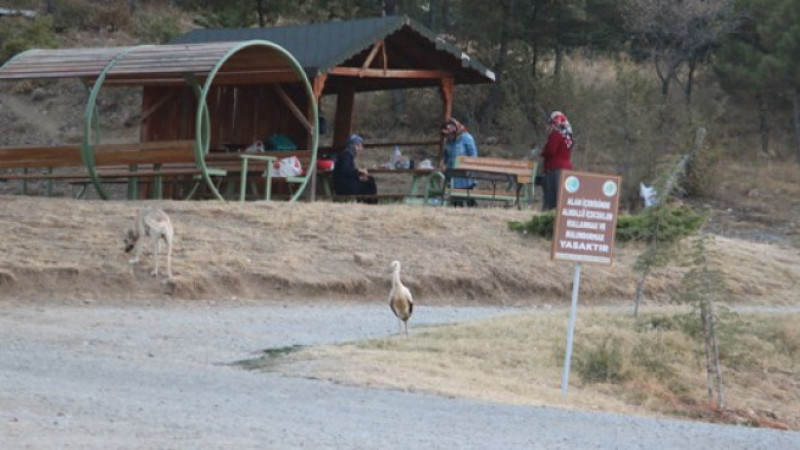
286 167
425 164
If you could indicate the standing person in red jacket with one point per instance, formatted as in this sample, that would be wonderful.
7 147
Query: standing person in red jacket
556 156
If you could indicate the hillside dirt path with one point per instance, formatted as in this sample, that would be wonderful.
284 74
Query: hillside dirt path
143 376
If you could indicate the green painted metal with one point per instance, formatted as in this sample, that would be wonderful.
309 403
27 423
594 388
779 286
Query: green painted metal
132 192
191 80
201 128
90 122
11 60
203 135
267 184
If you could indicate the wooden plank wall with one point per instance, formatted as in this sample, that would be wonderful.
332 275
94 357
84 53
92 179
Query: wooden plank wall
239 114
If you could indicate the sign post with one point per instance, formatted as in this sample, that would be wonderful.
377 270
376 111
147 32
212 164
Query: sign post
585 223
576 283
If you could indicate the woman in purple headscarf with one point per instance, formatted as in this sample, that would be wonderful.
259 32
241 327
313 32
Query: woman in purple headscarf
348 179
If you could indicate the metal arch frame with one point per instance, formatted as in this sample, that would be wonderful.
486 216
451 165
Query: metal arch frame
87 153
202 122
10 60
201 131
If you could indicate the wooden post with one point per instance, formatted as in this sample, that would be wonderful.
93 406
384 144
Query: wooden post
319 85
344 118
447 111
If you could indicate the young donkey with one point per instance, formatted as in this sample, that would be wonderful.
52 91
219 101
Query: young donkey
155 224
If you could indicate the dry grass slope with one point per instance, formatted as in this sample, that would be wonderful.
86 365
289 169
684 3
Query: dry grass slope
519 358
59 249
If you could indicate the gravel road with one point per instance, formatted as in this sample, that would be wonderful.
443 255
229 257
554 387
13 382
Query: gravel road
158 377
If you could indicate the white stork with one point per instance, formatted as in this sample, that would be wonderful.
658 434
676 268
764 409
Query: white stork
400 299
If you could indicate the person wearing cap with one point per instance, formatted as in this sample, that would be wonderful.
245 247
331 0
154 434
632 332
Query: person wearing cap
556 156
348 179
458 142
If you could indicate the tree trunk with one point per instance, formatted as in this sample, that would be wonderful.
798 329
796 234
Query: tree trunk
796 121
496 94
639 291
533 38
50 7
389 7
447 15
707 349
664 87
399 102
260 5
432 7
559 61
689 80
717 366
661 76
763 123
132 5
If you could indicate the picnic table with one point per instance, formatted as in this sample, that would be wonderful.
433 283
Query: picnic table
509 179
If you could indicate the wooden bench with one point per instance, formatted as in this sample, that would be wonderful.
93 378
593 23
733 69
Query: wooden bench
154 160
414 196
510 181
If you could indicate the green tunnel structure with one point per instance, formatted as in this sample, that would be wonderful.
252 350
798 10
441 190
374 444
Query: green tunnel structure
198 66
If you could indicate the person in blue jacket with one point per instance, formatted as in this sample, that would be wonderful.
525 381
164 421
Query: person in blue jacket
458 142
348 179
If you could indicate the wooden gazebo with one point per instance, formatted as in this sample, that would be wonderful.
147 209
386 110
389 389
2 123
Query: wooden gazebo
221 89
347 57
203 70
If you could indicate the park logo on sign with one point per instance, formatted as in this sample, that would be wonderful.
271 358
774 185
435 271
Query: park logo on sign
609 188
572 184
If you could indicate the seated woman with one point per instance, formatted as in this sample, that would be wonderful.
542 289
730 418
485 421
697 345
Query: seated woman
348 179
458 142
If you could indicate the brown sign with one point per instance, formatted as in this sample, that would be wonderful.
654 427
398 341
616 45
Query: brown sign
586 217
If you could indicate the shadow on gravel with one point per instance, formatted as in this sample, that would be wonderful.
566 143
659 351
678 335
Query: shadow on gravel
269 357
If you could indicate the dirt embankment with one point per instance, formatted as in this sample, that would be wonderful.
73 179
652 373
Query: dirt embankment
67 250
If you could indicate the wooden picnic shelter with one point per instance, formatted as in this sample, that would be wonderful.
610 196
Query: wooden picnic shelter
222 89
204 70
344 58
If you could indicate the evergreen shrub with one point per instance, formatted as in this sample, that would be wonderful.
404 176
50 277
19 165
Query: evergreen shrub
673 223
156 26
602 362
18 34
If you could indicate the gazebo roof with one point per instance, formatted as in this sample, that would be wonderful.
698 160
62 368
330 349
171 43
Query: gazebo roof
155 64
323 46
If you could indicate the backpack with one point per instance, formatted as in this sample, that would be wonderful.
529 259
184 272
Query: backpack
279 142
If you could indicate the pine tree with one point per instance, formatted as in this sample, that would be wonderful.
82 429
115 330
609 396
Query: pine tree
762 56
701 285
663 226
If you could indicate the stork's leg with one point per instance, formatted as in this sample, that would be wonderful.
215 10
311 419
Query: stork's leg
156 251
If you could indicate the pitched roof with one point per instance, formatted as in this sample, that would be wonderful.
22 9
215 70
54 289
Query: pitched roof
322 46
253 62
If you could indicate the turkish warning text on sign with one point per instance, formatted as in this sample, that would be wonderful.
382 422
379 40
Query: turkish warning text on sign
586 217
